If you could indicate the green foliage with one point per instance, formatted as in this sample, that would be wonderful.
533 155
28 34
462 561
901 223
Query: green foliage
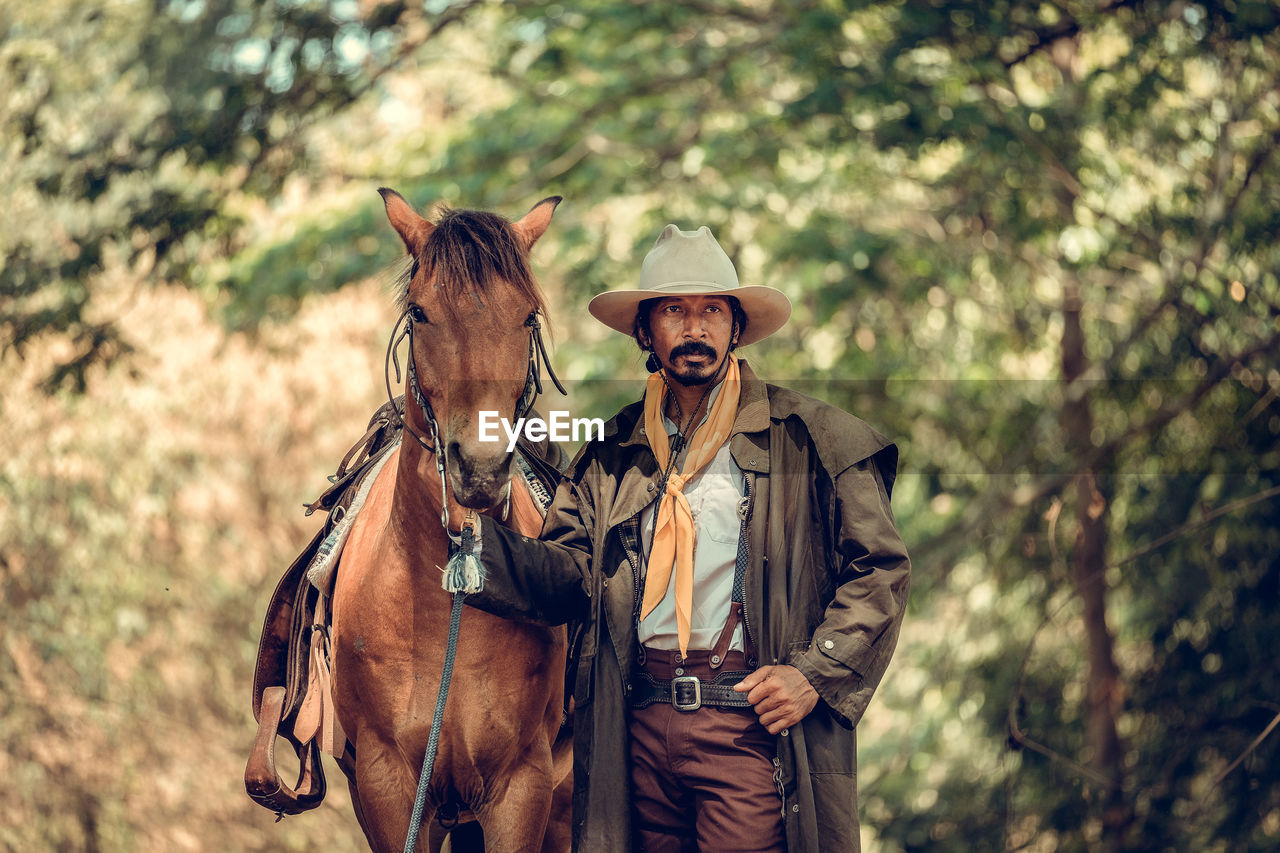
133 131
933 184
135 565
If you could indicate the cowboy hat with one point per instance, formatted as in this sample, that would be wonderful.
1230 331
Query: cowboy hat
691 263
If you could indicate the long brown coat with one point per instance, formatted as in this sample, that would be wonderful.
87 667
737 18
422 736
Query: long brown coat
825 590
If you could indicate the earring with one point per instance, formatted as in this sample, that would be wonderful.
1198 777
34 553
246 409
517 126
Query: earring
651 363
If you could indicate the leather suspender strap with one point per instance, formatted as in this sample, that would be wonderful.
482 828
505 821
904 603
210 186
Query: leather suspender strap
726 635
735 606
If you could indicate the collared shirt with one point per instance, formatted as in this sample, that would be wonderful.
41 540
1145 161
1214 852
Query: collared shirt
714 494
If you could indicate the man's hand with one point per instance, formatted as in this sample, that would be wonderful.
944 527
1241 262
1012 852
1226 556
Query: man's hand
781 695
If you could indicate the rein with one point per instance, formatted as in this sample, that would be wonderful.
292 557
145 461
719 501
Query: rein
463 573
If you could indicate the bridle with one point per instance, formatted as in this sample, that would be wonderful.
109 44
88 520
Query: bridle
404 328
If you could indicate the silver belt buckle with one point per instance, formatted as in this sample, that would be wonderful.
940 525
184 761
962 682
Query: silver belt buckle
676 690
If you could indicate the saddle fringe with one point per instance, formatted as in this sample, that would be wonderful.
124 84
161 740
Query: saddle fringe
326 560
317 716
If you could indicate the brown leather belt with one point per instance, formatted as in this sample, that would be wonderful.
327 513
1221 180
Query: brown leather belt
688 692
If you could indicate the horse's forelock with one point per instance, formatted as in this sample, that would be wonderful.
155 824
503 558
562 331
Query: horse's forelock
466 251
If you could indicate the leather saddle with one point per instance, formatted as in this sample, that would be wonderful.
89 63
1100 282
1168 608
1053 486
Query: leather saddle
282 676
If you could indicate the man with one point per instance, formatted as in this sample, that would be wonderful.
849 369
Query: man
730 556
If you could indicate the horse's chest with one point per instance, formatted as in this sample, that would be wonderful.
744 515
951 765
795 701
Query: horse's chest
503 673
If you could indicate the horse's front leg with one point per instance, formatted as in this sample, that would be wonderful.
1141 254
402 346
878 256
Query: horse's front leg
515 819
559 835
385 787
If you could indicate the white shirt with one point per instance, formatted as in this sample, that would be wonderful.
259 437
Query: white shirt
714 494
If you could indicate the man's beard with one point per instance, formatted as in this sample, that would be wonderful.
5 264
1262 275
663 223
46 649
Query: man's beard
692 376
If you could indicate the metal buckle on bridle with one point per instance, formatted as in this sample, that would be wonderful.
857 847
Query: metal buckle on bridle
681 687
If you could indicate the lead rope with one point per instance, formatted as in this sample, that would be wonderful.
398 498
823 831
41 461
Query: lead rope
463 574
465 552
429 759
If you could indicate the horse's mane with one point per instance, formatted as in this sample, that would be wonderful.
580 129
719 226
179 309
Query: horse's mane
466 250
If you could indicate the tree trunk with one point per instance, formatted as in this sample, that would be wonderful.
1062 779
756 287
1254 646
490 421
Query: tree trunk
1104 695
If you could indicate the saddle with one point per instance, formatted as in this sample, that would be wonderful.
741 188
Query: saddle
294 631
291 691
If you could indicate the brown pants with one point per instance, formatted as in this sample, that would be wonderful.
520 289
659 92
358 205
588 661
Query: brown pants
702 780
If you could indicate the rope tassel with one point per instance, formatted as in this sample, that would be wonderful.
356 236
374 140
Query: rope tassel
464 573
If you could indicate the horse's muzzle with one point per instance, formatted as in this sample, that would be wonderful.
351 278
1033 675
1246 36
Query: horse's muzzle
479 479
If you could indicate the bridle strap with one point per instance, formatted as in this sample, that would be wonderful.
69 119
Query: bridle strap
537 361
398 334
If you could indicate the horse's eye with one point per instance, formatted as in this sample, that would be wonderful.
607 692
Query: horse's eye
417 315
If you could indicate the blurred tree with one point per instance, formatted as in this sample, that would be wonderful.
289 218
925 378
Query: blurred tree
134 131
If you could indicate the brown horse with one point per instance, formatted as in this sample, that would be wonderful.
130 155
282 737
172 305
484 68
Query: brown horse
471 303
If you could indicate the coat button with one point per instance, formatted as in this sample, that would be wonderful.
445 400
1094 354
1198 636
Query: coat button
827 644
606 583
795 807
650 487
786 732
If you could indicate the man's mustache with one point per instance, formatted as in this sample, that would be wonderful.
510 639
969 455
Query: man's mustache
693 348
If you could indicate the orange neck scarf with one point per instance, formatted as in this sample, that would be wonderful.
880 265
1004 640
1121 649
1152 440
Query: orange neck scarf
673 536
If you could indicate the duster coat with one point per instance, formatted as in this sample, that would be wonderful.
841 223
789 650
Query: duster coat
824 591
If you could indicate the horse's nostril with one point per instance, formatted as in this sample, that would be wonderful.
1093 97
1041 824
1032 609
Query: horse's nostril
454 455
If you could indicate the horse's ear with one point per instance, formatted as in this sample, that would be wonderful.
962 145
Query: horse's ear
532 225
412 228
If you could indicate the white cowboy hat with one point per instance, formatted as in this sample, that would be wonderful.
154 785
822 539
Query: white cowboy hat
691 263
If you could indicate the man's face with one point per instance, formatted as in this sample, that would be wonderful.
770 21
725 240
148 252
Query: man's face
691 335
